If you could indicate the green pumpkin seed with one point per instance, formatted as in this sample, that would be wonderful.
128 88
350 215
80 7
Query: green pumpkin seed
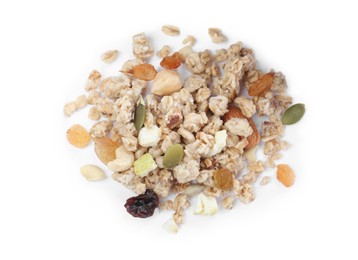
173 156
139 114
293 114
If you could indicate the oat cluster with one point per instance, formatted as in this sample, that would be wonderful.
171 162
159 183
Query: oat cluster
211 114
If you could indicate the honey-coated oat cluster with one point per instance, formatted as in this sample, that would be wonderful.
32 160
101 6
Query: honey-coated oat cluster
192 137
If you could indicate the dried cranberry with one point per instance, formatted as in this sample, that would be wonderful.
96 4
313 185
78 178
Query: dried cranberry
142 206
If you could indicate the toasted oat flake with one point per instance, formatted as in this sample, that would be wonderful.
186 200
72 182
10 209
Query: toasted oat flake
265 180
216 35
189 40
171 30
109 56
164 51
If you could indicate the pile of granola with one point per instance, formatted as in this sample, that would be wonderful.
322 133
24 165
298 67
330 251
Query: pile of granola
192 137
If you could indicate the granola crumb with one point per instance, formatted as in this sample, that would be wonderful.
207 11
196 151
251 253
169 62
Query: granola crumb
216 35
81 102
69 108
171 30
93 80
189 40
109 56
142 49
94 114
228 202
265 180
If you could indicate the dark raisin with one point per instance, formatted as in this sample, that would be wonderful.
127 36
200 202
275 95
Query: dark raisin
142 206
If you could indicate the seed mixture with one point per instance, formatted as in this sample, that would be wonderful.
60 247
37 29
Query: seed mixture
194 137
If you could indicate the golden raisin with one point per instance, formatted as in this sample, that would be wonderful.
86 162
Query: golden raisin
78 136
285 175
171 62
105 149
262 85
223 179
143 71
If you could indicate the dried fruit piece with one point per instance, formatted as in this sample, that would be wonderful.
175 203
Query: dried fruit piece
143 71
144 165
105 149
78 136
235 112
173 156
285 175
171 62
142 206
223 179
166 82
293 114
139 114
92 172
262 85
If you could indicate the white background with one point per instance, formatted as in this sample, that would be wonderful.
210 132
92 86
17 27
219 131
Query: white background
48 211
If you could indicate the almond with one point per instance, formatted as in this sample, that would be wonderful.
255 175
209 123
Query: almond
235 112
262 85
285 175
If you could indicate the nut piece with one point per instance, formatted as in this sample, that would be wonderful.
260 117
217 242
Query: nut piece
170 30
173 156
261 86
123 162
285 175
105 149
109 56
171 226
235 112
166 82
250 155
149 136
220 143
92 172
216 35
78 136
205 205
293 114
193 189
144 165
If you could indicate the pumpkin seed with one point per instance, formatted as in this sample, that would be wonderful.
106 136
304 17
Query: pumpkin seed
173 156
139 114
293 114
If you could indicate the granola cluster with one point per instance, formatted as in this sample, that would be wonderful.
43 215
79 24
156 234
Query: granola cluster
210 114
